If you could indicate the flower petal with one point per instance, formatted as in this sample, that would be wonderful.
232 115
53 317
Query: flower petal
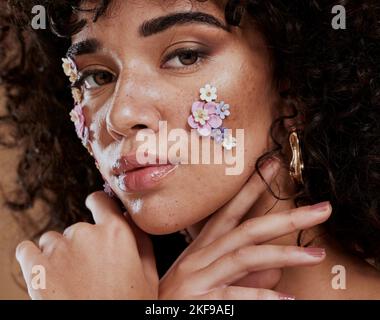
210 107
205 130
196 106
192 122
215 121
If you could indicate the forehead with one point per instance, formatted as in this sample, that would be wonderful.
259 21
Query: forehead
125 16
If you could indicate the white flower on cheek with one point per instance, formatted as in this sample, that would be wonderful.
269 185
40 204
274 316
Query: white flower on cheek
208 93
229 142
201 116
77 95
70 69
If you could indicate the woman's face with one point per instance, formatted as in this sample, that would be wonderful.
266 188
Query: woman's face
156 75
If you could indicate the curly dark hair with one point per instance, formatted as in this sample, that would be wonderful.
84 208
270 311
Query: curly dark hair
334 88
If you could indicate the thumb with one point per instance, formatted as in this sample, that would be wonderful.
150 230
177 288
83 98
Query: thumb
103 208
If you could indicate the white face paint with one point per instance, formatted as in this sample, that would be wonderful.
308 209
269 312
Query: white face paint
136 206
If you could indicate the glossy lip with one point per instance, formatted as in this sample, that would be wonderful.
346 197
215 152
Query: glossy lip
129 163
135 177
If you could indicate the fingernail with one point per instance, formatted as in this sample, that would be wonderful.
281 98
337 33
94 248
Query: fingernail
284 296
315 252
322 206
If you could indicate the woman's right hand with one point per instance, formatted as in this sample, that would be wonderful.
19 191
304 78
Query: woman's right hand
228 250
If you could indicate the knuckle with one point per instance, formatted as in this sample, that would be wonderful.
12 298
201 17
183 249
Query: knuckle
230 219
50 242
292 220
238 255
287 252
248 227
77 229
21 247
48 238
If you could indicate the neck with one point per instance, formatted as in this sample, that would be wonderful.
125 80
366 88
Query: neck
266 204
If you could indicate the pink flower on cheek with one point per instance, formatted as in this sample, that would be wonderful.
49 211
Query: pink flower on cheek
204 118
79 121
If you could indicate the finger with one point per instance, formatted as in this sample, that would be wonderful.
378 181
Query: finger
27 255
48 239
243 293
145 249
103 208
266 279
229 216
74 229
263 229
239 263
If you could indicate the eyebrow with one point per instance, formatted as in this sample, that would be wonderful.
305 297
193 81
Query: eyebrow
83 47
151 27
160 24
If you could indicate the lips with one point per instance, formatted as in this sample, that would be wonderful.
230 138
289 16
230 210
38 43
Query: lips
135 177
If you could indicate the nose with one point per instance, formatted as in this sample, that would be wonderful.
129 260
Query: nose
134 107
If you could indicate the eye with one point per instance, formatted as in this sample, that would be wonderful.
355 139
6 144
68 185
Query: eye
183 58
92 79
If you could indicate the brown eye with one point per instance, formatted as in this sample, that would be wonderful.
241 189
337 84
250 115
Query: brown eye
188 58
98 79
184 58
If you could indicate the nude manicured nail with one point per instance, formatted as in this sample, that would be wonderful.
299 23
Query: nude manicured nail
315 252
284 296
322 206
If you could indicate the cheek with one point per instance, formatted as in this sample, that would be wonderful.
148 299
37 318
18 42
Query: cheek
101 142
252 101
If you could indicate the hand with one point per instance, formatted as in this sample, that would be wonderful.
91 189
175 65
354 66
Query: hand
108 260
228 251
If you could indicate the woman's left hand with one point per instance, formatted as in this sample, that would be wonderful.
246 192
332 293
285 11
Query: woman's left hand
108 260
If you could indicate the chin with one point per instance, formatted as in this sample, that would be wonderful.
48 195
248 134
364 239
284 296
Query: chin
188 197
157 214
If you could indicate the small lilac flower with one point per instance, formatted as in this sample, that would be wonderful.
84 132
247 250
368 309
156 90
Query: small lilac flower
218 135
223 110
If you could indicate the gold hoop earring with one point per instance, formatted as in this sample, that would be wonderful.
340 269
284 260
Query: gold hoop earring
296 164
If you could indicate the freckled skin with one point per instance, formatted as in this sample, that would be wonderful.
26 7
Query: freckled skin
144 93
